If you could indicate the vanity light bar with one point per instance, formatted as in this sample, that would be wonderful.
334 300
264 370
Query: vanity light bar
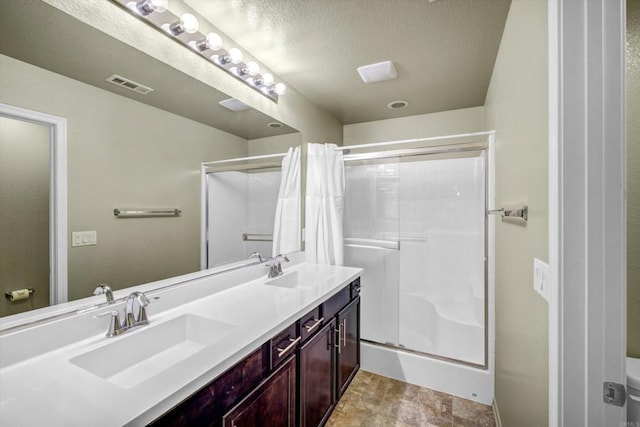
184 30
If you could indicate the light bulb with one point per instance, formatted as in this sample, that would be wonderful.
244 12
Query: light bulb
212 41
187 24
145 7
252 68
280 89
235 55
267 79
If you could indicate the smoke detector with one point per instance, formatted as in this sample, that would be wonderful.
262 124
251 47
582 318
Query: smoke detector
129 84
398 105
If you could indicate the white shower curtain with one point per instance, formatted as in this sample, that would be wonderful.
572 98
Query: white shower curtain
286 228
324 205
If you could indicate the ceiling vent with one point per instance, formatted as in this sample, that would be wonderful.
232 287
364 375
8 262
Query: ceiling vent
377 72
129 84
234 105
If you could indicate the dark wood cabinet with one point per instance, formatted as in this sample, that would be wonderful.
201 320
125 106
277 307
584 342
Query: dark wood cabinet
273 403
348 344
316 379
206 407
294 379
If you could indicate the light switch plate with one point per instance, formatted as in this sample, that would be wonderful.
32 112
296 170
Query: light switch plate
541 278
84 238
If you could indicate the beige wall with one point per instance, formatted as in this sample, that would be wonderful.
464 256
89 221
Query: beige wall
122 153
24 217
274 144
516 108
633 178
420 126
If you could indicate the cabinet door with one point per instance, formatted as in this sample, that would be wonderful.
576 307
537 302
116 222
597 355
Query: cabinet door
348 344
272 404
317 367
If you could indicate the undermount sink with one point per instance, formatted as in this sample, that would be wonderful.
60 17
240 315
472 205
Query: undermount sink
299 278
132 359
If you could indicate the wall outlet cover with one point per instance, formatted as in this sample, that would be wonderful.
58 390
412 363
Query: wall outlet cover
541 278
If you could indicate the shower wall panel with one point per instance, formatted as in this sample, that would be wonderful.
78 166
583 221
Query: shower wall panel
238 203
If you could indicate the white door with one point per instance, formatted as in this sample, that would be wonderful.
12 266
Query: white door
587 210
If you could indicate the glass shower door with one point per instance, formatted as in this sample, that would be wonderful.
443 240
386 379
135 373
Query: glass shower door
371 242
442 256
417 226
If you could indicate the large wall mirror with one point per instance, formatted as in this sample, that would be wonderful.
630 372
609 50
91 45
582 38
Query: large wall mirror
124 150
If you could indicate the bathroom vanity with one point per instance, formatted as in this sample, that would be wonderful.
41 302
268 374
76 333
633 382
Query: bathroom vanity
234 348
314 358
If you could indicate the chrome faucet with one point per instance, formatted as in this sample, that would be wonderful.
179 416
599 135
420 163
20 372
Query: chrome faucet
275 265
105 289
131 320
258 256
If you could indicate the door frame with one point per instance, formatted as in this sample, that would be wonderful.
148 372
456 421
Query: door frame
587 209
58 275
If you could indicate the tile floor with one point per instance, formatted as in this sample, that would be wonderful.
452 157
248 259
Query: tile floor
373 400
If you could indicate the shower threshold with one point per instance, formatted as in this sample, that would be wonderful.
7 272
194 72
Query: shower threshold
404 349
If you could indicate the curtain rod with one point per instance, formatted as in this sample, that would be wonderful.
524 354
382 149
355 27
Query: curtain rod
414 140
240 159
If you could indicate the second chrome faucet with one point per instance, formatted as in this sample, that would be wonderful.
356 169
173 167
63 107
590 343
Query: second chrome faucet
274 264
131 320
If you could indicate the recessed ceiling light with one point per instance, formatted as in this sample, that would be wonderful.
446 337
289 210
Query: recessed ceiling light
275 125
397 105
234 105
377 72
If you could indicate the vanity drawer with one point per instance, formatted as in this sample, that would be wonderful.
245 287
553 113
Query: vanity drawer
238 380
310 324
283 345
207 406
333 305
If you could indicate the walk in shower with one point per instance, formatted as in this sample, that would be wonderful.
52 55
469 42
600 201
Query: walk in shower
416 221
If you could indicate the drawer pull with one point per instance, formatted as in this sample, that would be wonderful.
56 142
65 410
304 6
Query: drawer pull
317 323
283 351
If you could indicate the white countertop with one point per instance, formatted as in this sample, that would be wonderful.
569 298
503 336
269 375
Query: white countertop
48 389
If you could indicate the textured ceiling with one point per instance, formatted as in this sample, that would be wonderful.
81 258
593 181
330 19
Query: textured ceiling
444 50
34 32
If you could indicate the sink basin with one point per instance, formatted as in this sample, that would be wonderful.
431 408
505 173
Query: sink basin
132 359
299 278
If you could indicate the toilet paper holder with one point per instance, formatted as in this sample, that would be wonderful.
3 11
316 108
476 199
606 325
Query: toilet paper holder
19 294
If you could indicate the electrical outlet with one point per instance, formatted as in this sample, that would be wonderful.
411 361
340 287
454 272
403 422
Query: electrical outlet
541 278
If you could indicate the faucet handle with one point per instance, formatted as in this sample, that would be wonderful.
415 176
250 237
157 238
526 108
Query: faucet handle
115 327
282 258
142 312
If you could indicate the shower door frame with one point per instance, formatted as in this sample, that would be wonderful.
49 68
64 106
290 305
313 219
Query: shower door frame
487 148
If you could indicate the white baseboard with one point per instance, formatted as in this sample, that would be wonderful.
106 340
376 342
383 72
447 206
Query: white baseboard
496 413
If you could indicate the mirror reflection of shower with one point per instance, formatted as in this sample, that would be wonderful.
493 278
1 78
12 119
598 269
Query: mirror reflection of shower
244 199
